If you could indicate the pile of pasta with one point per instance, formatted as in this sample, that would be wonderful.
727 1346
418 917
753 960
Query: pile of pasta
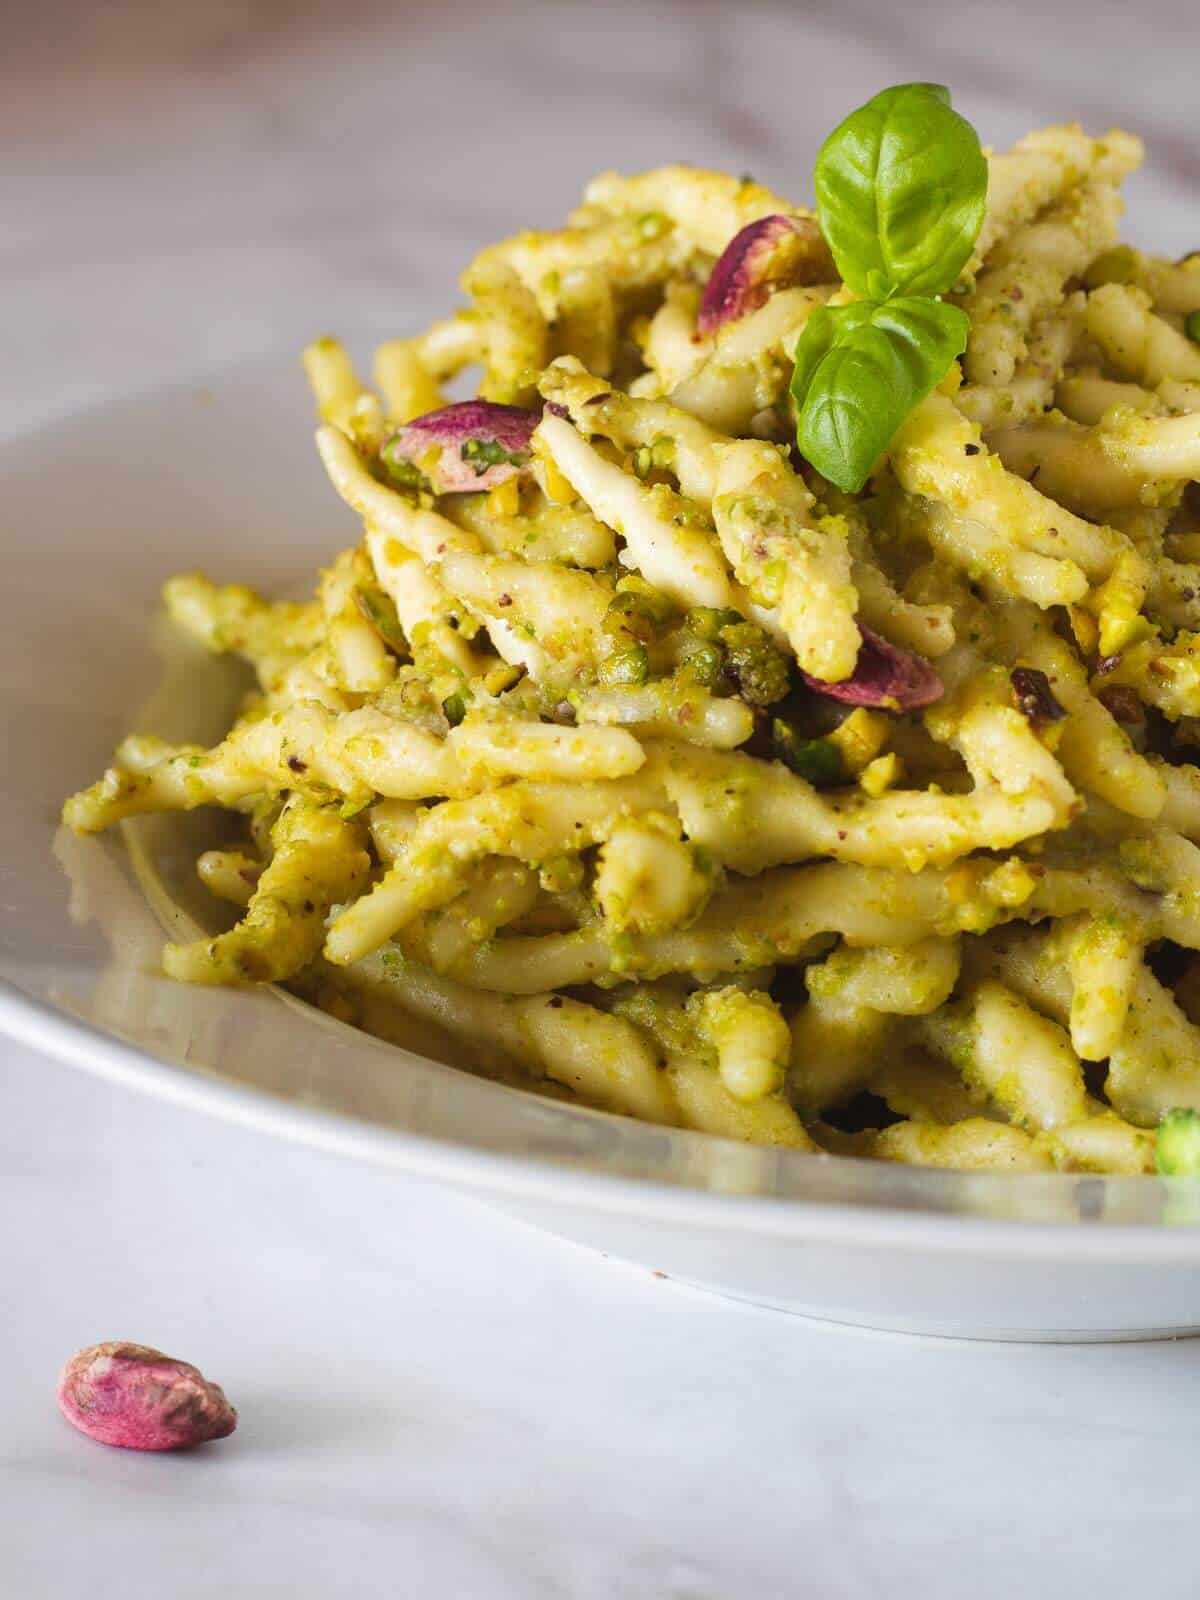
625 758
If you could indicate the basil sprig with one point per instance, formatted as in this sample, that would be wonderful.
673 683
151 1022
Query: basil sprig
901 190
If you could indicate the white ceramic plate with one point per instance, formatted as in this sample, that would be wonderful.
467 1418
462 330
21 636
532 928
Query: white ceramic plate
222 475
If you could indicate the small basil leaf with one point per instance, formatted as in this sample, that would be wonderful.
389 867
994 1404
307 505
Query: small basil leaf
901 190
869 380
820 333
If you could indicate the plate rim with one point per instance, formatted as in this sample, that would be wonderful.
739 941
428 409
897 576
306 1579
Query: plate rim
689 1198
82 1045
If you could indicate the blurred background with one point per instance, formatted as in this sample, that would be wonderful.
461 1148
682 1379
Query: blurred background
192 183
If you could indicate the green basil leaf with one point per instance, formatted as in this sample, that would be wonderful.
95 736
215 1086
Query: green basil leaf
870 376
901 190
820 333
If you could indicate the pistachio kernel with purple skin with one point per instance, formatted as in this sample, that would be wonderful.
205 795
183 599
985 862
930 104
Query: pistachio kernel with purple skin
1035 698
885 677
137 1398
773 253
464 448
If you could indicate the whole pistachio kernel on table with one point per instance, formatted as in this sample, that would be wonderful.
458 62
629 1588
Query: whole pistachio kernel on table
137 1398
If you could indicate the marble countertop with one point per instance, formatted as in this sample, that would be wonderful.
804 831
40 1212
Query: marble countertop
187 184
436 1401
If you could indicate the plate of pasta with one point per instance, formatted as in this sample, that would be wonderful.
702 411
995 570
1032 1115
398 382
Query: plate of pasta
704 753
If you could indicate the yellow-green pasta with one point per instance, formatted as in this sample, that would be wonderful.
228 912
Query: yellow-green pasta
1032 269
318 858
1139 344
621 756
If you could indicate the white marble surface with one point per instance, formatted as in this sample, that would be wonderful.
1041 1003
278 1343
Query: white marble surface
184 184
435 1401
438 1402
